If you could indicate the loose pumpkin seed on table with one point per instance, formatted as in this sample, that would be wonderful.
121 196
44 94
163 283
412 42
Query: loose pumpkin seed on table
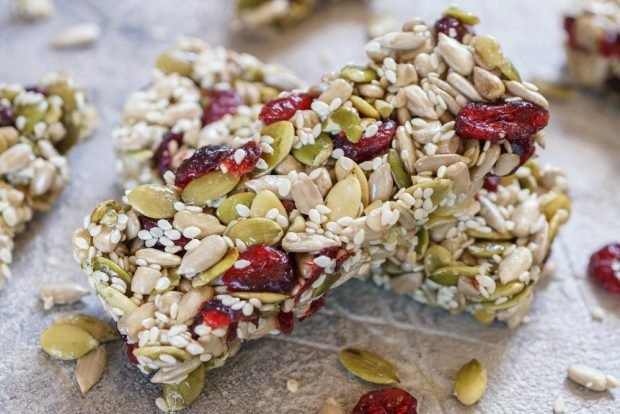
38 125
258 200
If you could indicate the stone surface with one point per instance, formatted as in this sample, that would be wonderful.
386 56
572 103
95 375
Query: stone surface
526 367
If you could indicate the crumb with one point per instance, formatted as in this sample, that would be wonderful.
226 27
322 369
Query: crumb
598 314
559 407
292 385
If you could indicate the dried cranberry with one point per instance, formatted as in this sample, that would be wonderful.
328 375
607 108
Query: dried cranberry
281 109
7 116
452 27
569 27
203 160
512 120
247 164
220 103
37 89
604 267
525 148
368 147
147 223
163 156
310 271
130 347
286 320
270 270
386 401
314 308
289 206
491 182
610 45
217 315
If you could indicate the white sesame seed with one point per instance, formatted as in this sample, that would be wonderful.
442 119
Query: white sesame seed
248 309
242 210
242 264
163 283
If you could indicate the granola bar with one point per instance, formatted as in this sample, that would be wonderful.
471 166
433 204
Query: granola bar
593 44
416 165
37 126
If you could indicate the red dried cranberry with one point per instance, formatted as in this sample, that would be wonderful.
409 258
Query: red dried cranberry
569 27
220 103
203 160
610 45
512 120
452 27
217 315
525 148
163 156
491 182
252 155
130 347
314 308
7 116
281 109
604 267
386 401
289 206
286 320
310 271
270 270
368 147
147 223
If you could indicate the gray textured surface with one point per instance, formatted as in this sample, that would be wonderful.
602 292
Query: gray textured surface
526 367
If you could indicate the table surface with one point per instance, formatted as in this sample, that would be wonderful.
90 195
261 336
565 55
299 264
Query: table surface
526 367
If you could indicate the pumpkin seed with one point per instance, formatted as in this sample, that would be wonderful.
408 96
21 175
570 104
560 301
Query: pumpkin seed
484 317
327 284
489 51
491 235
364 108
436 257
153 200
361 177
385 109
103 208
401 178
298 226
110 268
283 134
344 198
358 74
506 290
368 366
464 16
209 275
346 120
265 201
436 221
256 231
554 224
209 187
32 113
488 249
154 352
314 155
423 242
449 276
509 70
470 382
67 342
514 301
391 268
182 395
264 297
441 188
551 203
99 329
115 299
227 211
139 155
175 61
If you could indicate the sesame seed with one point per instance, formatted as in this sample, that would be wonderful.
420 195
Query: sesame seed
242 264
242 210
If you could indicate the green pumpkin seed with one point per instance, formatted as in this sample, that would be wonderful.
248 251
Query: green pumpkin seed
264 297
364 108
298 225
344 198
554 202
182 395
358 74
69 107
153 200
401 178
176 61
391 268
253 74
423 242
385 109
139 155
115 299
488 249
314 155
507 290
265 201
327 284
53 113
484 317
154 352
209 275
489 51
514 301
99 329
464 16
256 231
346 120
33 113
210 187
361 177
436 257
283 134
509 70
104 208
470 382
67 342
560 217
491 235
368 366
110 268
449 276
441 188
436 220
227 211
